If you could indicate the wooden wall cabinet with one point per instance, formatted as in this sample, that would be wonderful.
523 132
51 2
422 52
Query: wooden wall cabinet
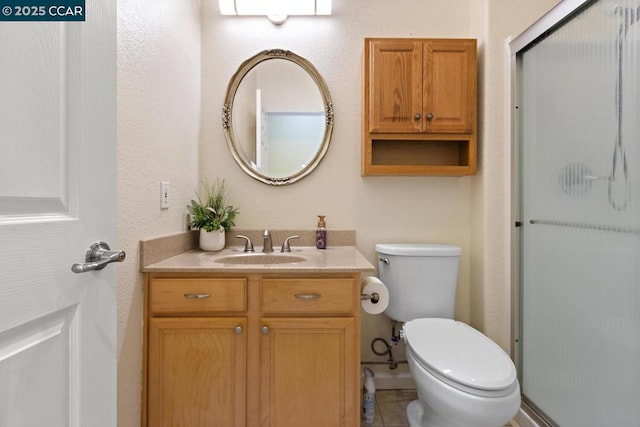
258 351
420 107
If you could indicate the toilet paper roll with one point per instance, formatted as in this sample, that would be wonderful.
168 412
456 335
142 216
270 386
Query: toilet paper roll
370 286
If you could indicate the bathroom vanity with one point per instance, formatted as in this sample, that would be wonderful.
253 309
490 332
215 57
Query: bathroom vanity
235 339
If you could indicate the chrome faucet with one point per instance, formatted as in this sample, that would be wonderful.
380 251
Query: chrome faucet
267 246
286 247
248 245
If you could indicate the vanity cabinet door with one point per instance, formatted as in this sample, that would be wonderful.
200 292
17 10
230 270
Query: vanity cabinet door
308 372
197 372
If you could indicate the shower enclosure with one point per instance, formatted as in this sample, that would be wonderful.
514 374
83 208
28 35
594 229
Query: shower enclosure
576 148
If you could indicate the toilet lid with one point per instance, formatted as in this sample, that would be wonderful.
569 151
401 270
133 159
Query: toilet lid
460 353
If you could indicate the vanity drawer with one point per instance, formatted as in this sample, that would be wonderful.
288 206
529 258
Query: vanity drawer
201 296
308 296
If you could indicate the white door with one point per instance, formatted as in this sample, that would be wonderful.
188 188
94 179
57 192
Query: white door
57 196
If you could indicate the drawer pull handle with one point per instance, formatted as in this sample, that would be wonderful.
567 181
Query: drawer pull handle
308 296
196 296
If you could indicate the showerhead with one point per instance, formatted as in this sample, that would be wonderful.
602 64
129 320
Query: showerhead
629 17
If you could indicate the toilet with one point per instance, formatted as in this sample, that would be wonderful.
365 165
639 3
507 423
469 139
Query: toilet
463 378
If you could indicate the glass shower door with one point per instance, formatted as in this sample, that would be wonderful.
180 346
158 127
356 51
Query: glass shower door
579 145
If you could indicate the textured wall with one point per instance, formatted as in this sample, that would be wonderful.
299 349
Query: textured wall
494 21
158 131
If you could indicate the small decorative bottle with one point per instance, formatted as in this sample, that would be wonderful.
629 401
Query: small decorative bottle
321 233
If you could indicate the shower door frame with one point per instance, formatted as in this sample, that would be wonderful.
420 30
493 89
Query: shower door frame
553 19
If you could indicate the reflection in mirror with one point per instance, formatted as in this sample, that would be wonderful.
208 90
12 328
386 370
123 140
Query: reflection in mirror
277 117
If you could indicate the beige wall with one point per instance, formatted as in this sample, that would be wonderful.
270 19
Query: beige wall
174 62
158 132
490 294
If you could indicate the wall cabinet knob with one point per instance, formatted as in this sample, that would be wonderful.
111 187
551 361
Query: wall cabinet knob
417 116
238 330
429 116
265 330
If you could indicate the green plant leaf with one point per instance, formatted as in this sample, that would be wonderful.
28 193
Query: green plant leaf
211 210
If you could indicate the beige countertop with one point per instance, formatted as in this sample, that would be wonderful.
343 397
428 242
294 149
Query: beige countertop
307 259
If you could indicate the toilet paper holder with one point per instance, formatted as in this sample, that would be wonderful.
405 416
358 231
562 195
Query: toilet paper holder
373 296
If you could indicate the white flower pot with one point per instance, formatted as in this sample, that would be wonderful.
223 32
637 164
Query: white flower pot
212 240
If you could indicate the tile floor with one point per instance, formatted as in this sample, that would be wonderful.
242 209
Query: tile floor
391 407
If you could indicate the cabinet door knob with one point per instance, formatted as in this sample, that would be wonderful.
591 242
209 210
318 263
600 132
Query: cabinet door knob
265 330
238 330
429 116
417 116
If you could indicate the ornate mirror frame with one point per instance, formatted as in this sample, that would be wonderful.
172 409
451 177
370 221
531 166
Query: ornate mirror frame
233 143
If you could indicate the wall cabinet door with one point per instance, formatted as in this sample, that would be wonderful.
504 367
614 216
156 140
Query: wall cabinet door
395 86
196 372
449 86
308 372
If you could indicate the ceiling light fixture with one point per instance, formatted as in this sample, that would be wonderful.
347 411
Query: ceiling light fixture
276 10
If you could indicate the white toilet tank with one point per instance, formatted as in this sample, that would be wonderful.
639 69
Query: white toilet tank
421 278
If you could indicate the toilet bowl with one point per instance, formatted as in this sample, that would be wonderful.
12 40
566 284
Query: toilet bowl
463 378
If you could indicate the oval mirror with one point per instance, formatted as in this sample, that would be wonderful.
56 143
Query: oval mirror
277 117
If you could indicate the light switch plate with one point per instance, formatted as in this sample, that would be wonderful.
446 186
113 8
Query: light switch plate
164 195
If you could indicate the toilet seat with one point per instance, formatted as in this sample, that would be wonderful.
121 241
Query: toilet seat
460 356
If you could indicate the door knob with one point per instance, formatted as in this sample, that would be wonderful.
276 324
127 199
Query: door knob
97 257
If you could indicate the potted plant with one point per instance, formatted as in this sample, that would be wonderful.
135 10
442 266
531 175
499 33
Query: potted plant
212 214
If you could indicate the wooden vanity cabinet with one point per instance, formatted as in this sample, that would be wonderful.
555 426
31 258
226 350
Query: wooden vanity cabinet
419 108
283 351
